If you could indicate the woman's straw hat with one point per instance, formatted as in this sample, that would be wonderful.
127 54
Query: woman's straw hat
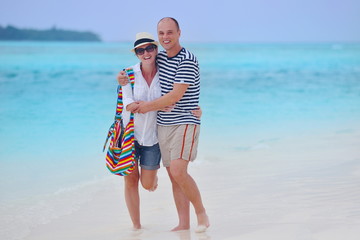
143 38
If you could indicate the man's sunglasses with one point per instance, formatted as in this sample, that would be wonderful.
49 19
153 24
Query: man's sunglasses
141 51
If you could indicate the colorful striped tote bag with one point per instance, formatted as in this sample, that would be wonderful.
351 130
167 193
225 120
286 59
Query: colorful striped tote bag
120 157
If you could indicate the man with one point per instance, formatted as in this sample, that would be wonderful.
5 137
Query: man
178 130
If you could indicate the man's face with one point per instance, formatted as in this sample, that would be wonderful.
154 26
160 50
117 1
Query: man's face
168 34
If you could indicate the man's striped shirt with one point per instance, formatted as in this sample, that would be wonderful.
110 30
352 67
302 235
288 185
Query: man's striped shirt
183 69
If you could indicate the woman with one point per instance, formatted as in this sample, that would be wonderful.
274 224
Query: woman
147 151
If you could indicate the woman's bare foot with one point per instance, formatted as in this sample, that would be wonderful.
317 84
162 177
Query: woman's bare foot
155 185
153 189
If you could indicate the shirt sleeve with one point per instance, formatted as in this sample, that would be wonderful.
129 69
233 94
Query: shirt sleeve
186 72
127 95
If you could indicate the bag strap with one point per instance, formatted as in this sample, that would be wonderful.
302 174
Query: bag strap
131 76
119 107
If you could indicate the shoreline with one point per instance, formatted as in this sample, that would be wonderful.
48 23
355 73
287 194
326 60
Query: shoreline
263 194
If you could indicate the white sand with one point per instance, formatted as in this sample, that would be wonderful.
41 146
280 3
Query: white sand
302 188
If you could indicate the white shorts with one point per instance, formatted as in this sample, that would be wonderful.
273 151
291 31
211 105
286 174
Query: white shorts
178 142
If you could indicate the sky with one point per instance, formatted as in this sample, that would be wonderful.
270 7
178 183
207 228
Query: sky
200 20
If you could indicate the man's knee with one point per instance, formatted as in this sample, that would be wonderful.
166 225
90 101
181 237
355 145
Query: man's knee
178 169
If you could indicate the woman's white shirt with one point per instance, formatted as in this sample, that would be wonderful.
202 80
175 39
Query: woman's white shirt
145 127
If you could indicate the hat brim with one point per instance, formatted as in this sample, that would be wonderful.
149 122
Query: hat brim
142 44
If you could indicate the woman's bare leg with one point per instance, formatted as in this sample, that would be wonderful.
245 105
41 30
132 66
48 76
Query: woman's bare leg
132 197
149 179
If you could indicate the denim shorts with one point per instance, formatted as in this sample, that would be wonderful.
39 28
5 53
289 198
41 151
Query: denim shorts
148 156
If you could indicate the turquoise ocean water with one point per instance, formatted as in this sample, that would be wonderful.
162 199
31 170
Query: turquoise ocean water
57 101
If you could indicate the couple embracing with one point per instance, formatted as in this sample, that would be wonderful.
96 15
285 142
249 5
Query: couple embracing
165 101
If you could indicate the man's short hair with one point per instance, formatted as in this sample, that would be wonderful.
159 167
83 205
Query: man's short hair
176 22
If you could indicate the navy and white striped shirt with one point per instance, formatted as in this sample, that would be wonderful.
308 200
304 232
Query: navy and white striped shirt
184 69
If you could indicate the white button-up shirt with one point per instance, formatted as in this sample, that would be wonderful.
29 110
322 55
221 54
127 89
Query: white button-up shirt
145 127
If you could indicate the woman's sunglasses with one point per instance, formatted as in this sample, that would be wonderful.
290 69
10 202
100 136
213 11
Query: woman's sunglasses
141 51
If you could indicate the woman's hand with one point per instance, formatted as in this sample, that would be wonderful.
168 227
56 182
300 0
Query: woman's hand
122 78
197 112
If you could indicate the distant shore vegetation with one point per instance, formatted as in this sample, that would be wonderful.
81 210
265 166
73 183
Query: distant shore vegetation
11 33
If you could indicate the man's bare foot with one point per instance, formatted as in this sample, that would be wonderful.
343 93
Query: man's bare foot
180 228
203 223
136 227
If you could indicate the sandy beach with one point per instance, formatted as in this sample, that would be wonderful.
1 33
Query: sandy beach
306 187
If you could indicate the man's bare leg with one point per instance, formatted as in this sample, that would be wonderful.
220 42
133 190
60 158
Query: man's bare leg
182 205
178 170
132 197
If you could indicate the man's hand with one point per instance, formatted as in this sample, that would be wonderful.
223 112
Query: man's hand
168 108
122 78
143 107
132 107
